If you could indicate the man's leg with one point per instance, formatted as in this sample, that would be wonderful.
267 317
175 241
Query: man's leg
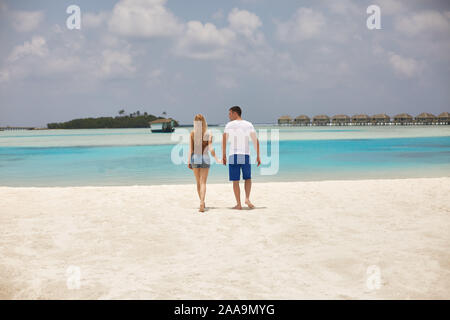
248 188
237 195
235 175
247 175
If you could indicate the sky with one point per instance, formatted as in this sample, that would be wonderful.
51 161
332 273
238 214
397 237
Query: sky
272 58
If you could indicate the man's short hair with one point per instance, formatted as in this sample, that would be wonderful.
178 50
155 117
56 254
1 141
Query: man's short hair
236 109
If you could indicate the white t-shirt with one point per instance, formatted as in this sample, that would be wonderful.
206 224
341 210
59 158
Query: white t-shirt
239 135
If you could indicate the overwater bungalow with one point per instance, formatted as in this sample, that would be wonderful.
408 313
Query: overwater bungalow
364 119
302 120
285 120
361 120
381 119
403 119
340 120
163 125
443 118
425 118
321 120
16 128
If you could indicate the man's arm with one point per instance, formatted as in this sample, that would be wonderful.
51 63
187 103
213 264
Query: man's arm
211 149
224 148
190 150
256 146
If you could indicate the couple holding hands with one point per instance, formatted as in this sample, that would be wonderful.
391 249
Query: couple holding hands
238 132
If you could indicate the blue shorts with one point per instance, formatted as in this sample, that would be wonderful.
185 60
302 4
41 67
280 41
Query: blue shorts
238 162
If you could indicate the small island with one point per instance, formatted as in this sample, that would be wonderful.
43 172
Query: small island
132 120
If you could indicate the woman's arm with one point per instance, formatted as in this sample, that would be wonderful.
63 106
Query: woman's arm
211 149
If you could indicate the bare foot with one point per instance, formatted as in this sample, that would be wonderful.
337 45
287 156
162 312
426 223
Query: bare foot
202 207
237 207
249 204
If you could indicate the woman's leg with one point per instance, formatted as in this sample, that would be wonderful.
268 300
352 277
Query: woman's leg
203 178
197 178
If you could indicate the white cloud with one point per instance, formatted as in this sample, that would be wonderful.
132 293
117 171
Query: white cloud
403 66
62 64
218 15
109 40
226 81
244 22
154 77
94 20
391 6
204 41
343 7
25 21
37 47
424 22
34 59
4 76
116 64
305 24
143 18
70 57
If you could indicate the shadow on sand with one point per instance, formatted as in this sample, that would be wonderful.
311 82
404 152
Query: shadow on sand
231 208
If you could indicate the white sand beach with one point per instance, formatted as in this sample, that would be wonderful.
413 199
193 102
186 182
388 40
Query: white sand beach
305 240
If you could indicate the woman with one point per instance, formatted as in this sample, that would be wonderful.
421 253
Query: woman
198 161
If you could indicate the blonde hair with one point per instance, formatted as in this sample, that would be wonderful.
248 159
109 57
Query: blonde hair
200 123
199 136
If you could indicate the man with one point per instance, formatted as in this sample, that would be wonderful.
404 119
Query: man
239 131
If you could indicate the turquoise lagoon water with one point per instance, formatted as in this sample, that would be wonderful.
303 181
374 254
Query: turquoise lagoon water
138 157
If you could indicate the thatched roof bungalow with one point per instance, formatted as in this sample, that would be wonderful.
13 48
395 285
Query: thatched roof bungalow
360 119
302 120
381 119
321 120
285 120
425 118
443 118
340 120
403 119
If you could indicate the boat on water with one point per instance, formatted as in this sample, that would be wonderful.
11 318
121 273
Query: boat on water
162 125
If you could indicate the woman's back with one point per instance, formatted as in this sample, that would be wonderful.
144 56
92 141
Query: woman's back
199 143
